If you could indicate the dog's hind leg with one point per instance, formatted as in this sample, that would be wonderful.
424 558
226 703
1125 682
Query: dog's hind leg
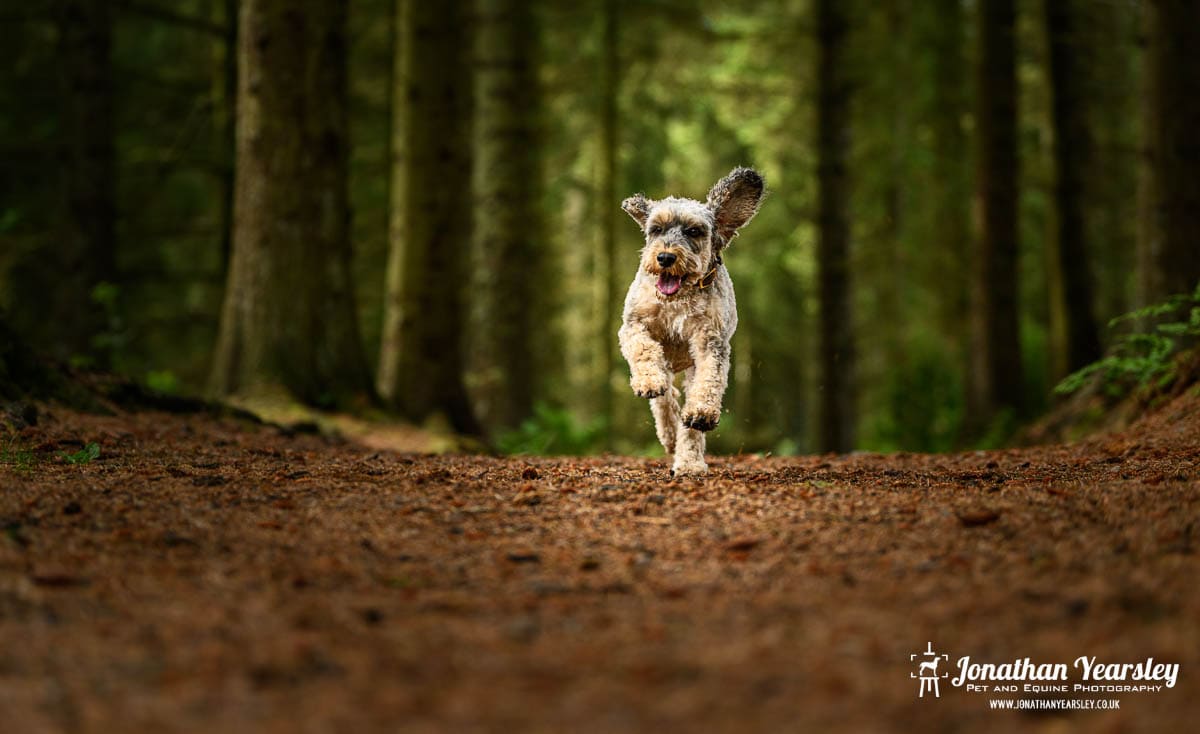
689 444
666 418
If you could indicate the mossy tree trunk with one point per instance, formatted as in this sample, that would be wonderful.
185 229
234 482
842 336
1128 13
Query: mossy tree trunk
289 322
835 381
509 232
421 362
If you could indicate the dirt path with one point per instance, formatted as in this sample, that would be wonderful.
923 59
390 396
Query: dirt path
209 576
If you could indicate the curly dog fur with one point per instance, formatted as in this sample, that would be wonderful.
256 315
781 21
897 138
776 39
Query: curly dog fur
680 313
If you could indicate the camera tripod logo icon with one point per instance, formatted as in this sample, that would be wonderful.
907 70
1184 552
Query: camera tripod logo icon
927 671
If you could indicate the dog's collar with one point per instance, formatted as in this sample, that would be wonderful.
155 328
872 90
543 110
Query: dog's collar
708 279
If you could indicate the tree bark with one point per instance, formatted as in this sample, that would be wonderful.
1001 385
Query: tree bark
1072 150
421 362
289 321
837 412
997 333
508 188
1169 248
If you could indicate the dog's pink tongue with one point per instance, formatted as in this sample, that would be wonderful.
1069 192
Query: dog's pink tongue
668 284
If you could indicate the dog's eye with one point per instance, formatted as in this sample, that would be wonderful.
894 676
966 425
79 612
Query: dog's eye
694 232
655 229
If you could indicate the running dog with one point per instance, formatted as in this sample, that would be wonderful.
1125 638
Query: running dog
680 313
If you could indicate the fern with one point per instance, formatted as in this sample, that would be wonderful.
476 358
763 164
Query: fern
1141 359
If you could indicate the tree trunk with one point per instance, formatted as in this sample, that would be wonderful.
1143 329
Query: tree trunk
997 337
608 209
837 414
421 360
289 322
508 201
1072 149
941 30
1170 243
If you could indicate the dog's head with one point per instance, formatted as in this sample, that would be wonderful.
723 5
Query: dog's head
684 237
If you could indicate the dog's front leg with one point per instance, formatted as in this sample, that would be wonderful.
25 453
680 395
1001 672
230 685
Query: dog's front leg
650 375
702 408
689 447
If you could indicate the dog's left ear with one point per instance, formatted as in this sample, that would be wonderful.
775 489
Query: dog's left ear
734 200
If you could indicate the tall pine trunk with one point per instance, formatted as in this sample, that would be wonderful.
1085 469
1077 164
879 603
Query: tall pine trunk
996 337
421 360
289 322
508 187
1072 149
835 382
1169 246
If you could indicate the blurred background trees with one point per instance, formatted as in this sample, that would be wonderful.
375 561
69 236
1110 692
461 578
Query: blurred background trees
240 196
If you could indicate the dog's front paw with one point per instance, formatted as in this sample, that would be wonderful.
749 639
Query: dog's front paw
701 419
685 468
650 386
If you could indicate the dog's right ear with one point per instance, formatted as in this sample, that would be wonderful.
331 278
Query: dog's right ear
734 200
638 207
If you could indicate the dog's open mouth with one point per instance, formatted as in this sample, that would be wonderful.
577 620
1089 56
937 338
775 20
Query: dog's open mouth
668 284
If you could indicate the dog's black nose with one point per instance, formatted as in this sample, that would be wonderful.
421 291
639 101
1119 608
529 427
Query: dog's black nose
666 259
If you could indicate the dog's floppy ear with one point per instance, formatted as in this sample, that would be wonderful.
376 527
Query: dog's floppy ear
734 200
638 207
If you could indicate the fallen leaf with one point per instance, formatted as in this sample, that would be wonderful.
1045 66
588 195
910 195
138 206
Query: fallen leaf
975 518
743 544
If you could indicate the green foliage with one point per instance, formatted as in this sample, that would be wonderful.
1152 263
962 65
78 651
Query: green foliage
552 431
1145 358
20 459
86 455
922 406
163 381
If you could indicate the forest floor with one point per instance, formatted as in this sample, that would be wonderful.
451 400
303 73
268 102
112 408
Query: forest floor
209 574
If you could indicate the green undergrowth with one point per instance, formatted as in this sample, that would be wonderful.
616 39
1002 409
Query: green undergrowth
552 430
85 455
1146 356
16 457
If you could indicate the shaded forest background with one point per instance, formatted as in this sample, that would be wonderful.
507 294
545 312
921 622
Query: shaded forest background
413 206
